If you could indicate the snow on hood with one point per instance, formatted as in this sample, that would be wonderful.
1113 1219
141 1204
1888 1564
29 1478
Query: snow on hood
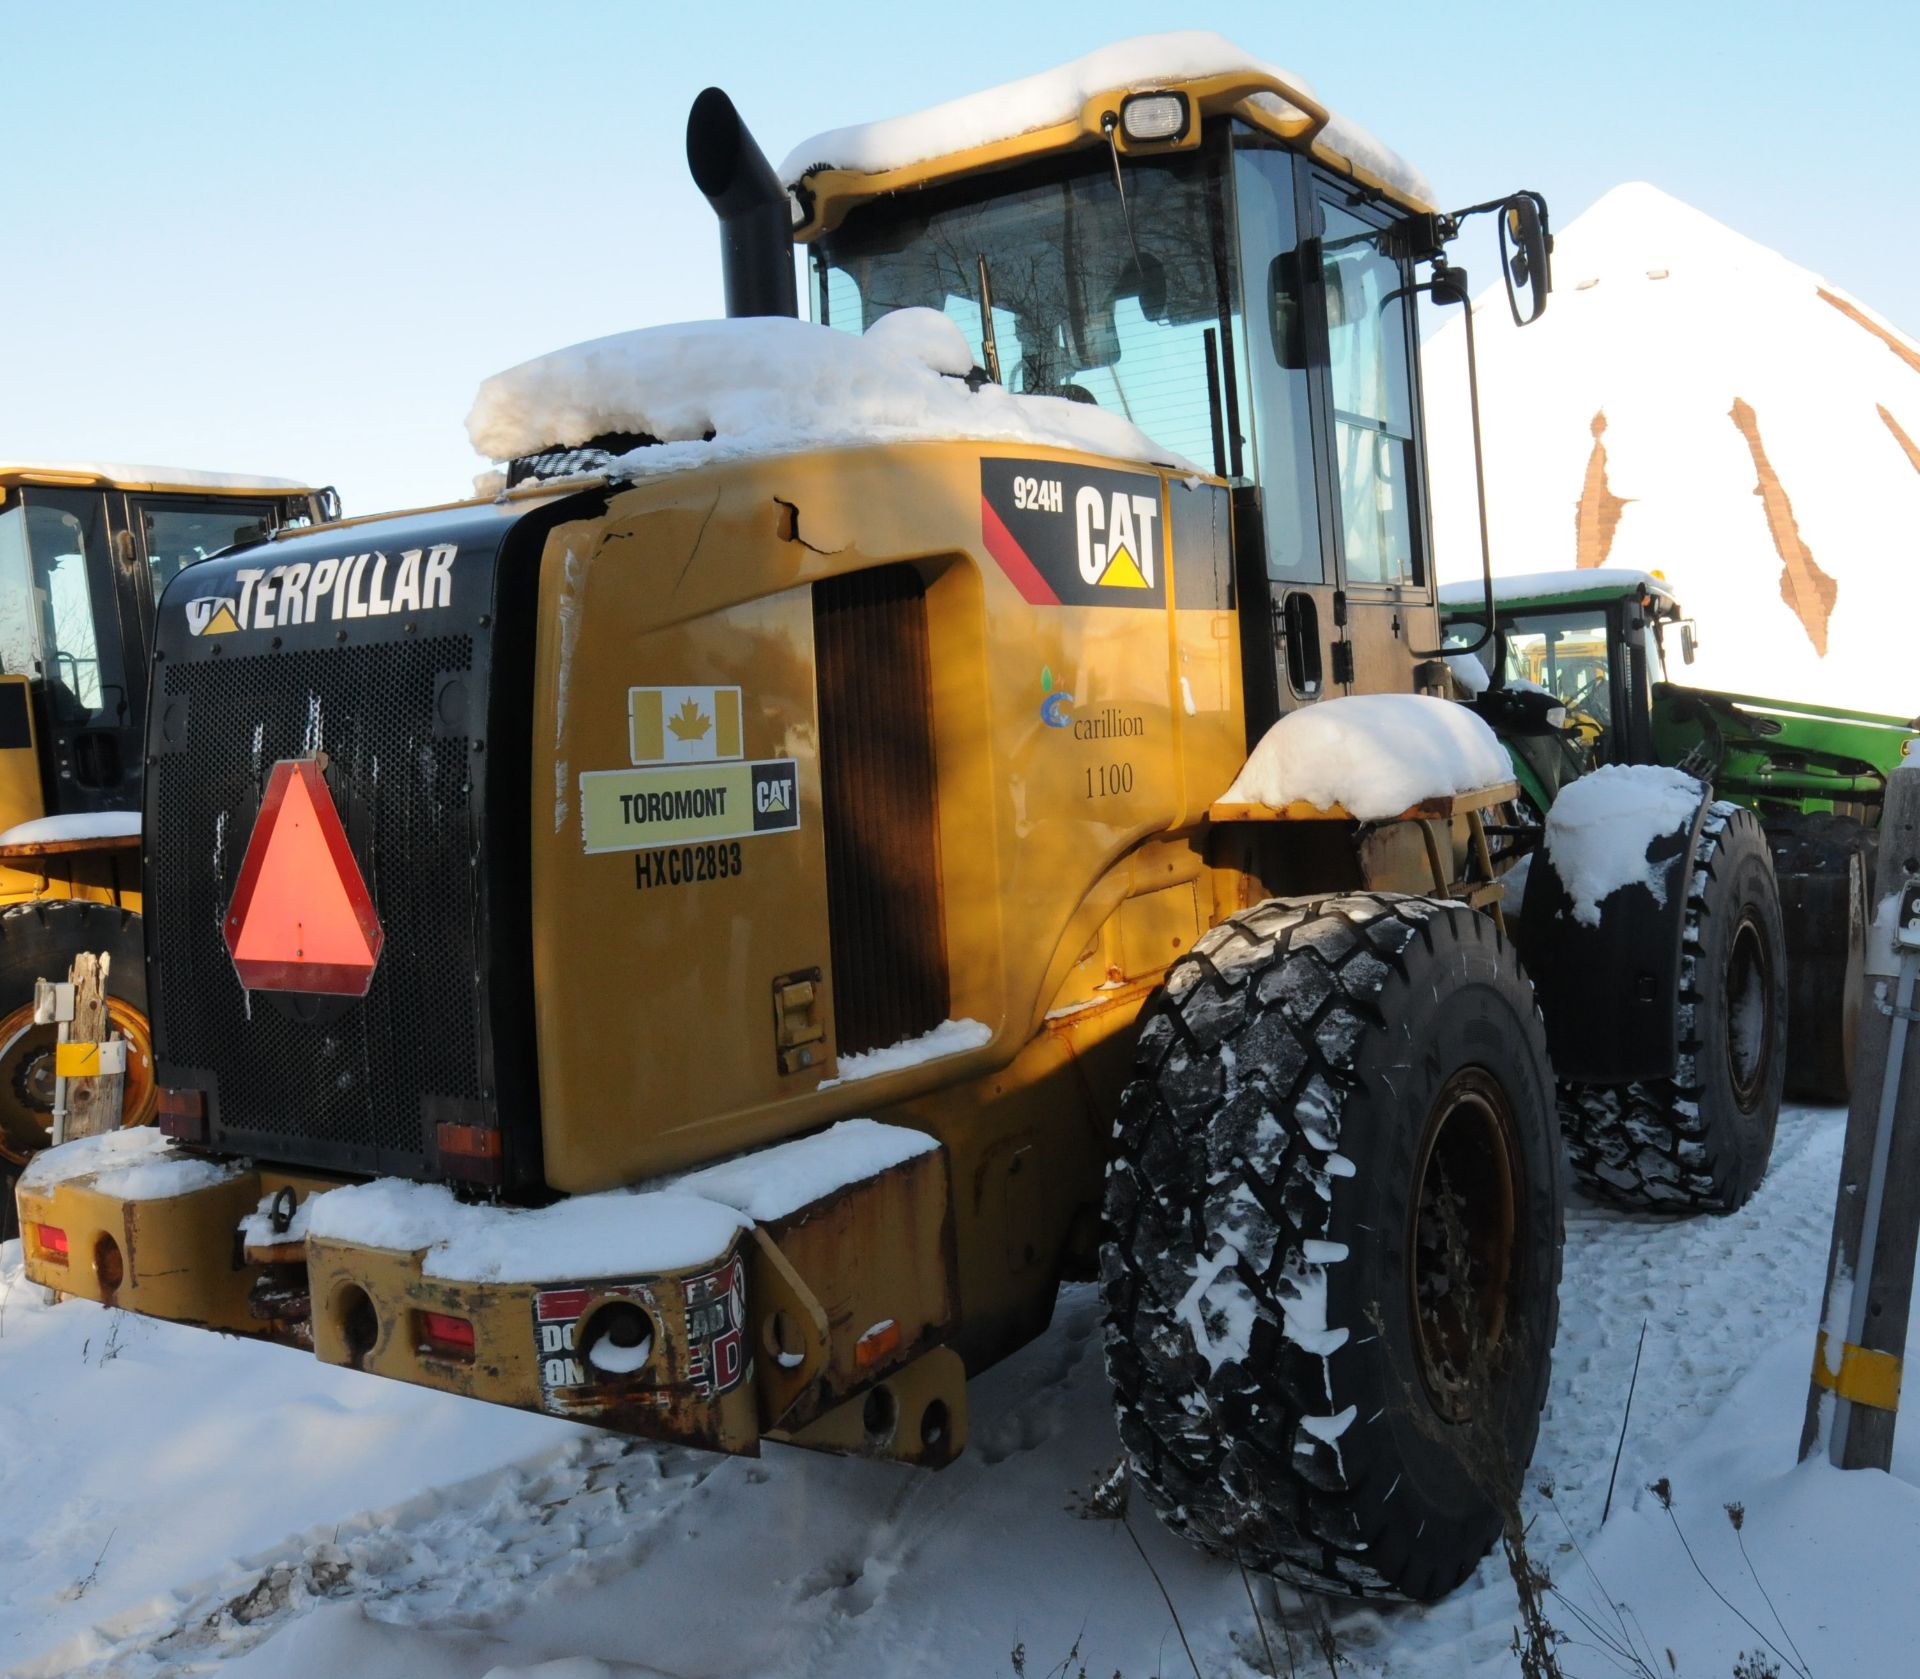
768 385
1059 95
1696 404
1374 755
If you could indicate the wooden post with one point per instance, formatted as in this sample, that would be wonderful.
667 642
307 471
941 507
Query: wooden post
95 1088
1851 1405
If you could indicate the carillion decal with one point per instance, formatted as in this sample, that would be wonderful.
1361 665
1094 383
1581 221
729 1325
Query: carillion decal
1075 535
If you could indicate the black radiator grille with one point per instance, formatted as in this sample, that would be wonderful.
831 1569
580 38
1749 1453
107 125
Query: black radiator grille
878 788
326 1082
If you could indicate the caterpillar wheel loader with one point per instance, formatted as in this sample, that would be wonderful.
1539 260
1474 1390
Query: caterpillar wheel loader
85 551
708 940
1605 644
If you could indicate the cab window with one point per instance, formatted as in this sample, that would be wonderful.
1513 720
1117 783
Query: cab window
65 545
1566 654
1372 396
175 537
1137 319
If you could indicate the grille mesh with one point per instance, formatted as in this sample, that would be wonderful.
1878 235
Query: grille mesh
885 918
325 1082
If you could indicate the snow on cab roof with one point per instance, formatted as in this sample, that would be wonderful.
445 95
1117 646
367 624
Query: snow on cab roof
711 391
1588 581
121 475
1061 95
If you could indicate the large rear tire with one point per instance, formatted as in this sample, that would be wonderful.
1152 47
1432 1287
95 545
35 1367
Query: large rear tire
1701 1140
40 941
1331 1254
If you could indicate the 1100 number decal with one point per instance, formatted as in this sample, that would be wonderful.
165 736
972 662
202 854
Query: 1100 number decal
1104 780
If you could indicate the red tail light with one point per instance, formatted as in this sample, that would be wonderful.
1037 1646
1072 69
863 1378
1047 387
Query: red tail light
448 1337
50 1242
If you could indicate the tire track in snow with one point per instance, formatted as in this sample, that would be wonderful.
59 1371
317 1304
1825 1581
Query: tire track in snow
466 1556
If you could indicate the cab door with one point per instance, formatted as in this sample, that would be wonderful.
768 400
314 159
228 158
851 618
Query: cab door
1291 612
1368 415
1333 412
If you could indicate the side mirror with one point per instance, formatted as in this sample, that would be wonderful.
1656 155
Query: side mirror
1526 253
1687 640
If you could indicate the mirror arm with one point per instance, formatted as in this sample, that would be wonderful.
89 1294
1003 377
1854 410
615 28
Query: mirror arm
1444 290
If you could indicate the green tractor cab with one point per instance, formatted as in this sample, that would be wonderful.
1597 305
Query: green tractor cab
1573 675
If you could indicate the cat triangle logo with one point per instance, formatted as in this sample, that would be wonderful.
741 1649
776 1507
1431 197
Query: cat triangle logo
211 615
1122 572
302 918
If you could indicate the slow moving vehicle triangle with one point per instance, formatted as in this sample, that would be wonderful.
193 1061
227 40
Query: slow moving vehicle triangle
302 918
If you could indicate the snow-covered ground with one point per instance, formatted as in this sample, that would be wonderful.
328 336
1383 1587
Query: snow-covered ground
177 1502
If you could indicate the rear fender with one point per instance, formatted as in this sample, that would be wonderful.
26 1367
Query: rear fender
1610 992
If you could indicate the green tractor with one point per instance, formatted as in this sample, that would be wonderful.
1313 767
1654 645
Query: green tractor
1600 644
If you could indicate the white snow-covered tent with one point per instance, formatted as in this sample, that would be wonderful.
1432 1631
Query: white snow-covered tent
1695 404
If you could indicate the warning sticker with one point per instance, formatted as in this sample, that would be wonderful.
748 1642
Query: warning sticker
716 1314
636 810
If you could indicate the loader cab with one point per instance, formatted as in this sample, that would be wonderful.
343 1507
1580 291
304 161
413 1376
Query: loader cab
1598 645
84 558
1245 303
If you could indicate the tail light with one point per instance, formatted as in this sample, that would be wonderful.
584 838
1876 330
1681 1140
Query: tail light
49 1242
443 1336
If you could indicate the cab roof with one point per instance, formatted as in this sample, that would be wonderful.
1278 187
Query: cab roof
111 475
1061 110
1538 590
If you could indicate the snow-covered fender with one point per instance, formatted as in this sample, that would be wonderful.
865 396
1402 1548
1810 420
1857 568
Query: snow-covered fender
1610 992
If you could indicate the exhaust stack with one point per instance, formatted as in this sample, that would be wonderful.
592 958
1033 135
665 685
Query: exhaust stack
756 227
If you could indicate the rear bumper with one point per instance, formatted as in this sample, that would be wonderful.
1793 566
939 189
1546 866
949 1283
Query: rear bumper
542 1344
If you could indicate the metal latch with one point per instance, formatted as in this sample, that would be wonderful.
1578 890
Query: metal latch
797 1025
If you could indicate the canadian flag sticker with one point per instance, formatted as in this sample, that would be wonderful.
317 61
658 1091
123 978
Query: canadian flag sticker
683 725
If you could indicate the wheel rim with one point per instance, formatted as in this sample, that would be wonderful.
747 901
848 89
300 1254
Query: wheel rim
27 1077
1462 1240
1748 995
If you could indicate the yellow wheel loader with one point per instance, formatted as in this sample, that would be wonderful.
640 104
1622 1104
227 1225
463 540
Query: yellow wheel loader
85 551
707 941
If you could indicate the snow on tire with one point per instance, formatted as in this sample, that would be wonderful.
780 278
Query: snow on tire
1700 1141
1311 1378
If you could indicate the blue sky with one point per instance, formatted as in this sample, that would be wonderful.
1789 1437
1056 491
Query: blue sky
259 239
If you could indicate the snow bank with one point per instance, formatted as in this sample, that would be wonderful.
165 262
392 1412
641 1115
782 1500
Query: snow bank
1059 95
613 1235
120 472
772 1182
1629 427
950 1037
1374 755
137 1164
720 390
1601 825
85 825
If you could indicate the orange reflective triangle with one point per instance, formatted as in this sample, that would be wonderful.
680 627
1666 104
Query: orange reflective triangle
302 918
1122 572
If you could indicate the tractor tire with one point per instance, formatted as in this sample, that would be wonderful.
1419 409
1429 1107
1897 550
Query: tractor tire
1326 1367
1824 865
40 941
1700 1141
